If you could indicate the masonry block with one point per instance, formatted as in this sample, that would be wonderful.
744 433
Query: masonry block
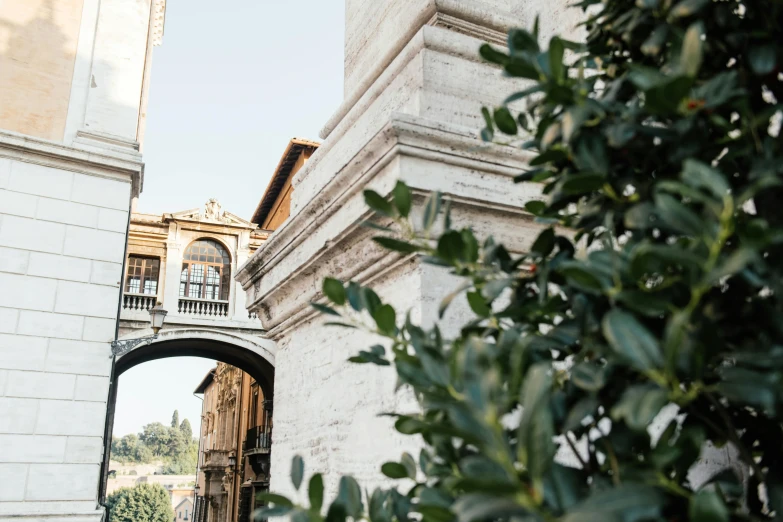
12 482
17 415
104 273
70 418
113 220
31 234
27 293
86 299
5 172
62 482
32 448
101 192
41 181
59 267
50 325
67 212
40 385
17 204
83 450
101 330
3 379
84 358
8 319
93 244
13 260
22 352
90 388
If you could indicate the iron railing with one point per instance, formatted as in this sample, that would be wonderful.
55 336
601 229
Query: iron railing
258 439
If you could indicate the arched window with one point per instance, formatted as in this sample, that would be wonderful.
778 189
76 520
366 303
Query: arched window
206 271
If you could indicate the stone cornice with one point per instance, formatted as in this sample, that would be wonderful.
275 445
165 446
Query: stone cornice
433 37
52 154
403 136
449 15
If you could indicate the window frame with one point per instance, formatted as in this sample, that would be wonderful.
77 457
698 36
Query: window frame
223 268
142 277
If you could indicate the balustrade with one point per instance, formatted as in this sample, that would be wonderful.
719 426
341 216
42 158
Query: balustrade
143 302
202 308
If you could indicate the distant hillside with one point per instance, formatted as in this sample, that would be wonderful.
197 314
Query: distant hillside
173 447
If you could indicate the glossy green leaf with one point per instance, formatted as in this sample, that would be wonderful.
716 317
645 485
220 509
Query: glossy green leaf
394 470
687 8
297 471
544 243
691 54
396 245
588 376
678 216
762 58
707 506
505 121
701 175
431 210
315 492
639 405
385 317
334 290
478 304
402 198
378 203
556 53
632 341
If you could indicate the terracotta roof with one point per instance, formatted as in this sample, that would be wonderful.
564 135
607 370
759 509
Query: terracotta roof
208 378
282 172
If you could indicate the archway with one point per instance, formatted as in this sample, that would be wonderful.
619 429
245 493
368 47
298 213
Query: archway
252 354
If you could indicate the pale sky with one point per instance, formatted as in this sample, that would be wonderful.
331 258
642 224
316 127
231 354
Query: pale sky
233 81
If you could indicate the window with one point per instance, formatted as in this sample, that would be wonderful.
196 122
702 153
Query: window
141 276
206 271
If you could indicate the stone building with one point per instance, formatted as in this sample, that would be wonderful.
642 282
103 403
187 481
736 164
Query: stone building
236 422
74 78
74 89
234 446
185 261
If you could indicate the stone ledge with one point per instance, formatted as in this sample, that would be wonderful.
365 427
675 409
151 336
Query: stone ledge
104 163
281 278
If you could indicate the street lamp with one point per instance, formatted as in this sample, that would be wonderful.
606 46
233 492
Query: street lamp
157 316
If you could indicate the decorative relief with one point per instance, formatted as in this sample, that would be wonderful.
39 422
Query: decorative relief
158 21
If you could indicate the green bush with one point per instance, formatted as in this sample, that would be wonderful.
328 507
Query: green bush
141 503
656 145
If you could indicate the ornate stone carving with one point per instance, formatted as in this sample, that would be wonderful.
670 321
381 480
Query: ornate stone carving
158 22
213 211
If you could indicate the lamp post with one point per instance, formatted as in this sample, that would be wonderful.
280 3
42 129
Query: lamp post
157 316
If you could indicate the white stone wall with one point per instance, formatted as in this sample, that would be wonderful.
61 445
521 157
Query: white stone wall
62 236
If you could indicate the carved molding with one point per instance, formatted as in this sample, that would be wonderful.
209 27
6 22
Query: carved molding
326 236
158 22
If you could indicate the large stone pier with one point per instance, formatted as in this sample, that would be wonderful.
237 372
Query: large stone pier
414 87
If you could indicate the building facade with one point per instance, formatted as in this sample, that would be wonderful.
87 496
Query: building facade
236 423
185 262
234 446
74 77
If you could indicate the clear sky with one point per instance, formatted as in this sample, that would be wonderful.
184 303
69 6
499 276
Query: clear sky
233 81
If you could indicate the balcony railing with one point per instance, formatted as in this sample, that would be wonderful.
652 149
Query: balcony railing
143 302
258 440
202 308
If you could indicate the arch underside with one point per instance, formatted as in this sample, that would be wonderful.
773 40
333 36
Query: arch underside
253 356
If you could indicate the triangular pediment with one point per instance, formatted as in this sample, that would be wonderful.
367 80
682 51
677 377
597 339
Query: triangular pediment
212 212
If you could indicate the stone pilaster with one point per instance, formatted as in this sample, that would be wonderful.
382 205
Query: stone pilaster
414 89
